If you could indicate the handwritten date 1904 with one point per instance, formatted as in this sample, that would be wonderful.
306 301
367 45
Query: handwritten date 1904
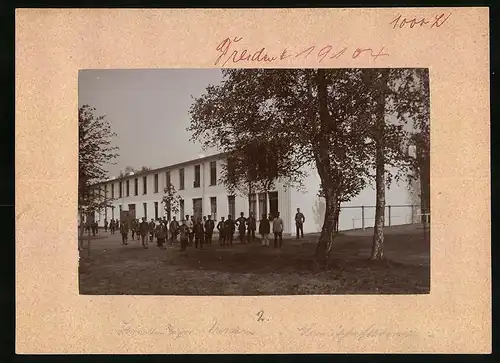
402 22
229 54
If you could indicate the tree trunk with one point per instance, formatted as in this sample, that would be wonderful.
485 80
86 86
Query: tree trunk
378 233
81 232
325 241
425 185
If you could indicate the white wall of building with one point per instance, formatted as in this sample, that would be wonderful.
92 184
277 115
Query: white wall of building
313 207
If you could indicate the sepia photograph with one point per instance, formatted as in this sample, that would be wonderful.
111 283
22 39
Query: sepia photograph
254 181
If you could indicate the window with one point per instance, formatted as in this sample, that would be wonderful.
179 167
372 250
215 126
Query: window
197 178
136 186
213 173
181 208
231 202
181 178
113 191
262 204
127 188
156 183
144 185
106 191
167 177
213 208
156 210
252 202
120 189
145 208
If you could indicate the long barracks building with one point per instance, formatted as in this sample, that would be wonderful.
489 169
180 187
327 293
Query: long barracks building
197 183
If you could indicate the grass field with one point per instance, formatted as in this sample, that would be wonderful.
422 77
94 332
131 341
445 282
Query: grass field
255 270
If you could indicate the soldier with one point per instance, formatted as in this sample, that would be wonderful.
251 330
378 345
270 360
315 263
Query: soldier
241 223
105 225
184 235
174 230
112 226
124 232
278 231
230 228
133 228
199 233
152 229
143 232
221 227
161 234
190 224
299 223
251 226
264 230
209 229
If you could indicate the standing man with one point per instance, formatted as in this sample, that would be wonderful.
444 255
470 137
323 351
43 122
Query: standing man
221 227
124 232
230 228
143 231
251 226
199 233
209 229
278 230
161 234
264 230
152 229
241 222
105 225
190 225
299 223
174 230
184 235
133 228
112 226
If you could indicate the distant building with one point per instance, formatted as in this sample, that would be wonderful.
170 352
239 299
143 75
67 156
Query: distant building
197 183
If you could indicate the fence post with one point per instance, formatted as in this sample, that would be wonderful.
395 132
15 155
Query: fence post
389 216
363 217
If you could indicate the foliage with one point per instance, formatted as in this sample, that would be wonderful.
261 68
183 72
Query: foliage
171 200
95 150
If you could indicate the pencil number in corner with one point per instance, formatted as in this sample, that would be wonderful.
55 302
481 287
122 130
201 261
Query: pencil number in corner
400 22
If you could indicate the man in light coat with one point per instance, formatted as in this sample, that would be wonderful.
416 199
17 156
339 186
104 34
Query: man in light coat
278 231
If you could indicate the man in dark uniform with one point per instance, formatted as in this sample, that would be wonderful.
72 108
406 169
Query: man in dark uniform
174 230
299 223
124 232
199 233
143 231
221 227
152 228
251 227
241 223
209 229
105 225
230 228
161 233
184 235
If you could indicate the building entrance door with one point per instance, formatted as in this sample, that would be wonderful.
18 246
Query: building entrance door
198 208
273 203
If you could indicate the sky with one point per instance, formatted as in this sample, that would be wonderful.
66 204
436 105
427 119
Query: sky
148 110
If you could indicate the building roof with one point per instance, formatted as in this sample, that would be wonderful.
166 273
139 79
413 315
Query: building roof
166 168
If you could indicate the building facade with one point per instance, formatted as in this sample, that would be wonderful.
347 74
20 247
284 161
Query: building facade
197 184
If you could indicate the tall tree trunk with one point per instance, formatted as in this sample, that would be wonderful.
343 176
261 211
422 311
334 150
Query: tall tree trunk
325 241
425 184
378 233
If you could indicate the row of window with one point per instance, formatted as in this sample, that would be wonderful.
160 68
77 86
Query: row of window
196 183
198 206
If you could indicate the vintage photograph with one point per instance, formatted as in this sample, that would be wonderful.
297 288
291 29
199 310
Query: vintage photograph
254 181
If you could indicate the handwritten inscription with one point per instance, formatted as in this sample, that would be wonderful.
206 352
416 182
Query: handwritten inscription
400 22
230 52
342 333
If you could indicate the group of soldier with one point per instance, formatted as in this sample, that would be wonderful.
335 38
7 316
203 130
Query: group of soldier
199 231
